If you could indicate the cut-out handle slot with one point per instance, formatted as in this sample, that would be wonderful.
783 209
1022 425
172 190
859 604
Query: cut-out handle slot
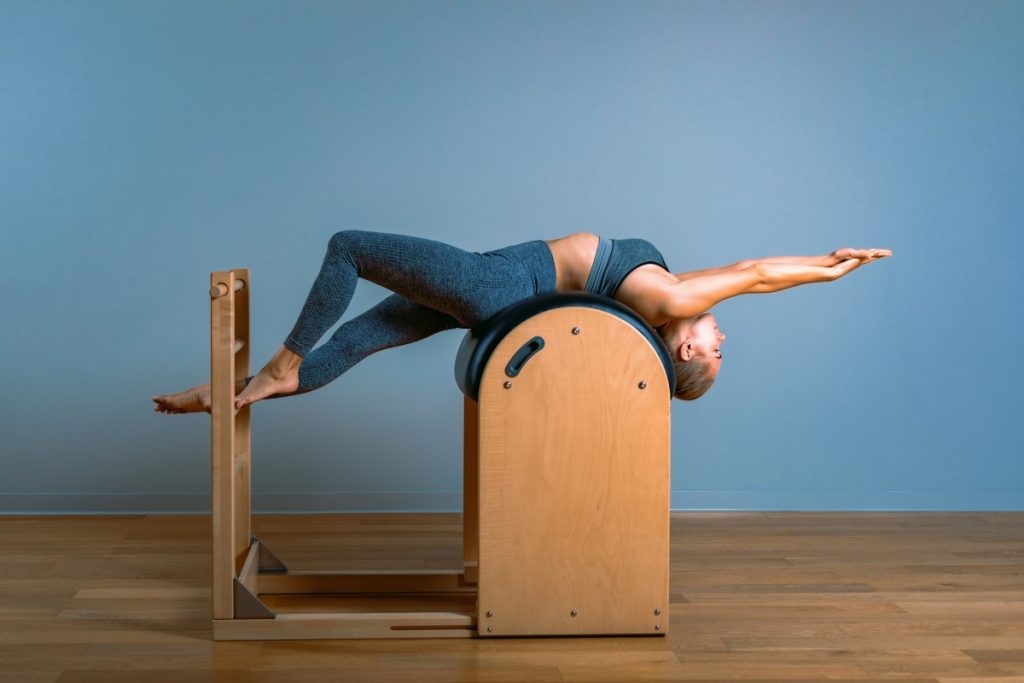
525 353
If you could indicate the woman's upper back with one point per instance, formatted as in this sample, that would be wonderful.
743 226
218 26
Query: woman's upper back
631 271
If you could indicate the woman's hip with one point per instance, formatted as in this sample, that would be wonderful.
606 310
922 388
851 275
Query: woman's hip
508 275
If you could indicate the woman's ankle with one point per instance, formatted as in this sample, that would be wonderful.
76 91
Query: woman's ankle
285 360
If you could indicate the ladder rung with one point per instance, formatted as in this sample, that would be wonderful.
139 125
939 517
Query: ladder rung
221 288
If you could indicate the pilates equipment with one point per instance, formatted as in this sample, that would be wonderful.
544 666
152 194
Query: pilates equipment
566 400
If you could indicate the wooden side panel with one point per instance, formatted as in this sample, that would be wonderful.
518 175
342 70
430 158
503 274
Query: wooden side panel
223 443
574 482
470 474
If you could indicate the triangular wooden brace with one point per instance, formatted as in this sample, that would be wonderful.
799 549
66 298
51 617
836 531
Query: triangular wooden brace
249 606
269 564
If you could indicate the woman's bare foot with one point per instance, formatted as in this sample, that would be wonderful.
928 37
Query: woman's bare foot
194 400
279 376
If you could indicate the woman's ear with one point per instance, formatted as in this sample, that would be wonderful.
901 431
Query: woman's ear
685 351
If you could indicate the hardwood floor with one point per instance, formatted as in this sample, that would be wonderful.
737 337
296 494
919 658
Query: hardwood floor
756 596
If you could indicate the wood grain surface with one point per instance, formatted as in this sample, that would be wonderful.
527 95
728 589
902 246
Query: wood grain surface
755 596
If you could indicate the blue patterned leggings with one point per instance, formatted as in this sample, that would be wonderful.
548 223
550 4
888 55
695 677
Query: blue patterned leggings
436 287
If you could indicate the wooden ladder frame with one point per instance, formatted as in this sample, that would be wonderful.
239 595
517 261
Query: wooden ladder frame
244 569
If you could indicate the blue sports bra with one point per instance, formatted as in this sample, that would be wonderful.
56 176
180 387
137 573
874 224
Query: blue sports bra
615 259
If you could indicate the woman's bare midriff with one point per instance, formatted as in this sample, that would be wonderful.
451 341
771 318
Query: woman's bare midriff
574 256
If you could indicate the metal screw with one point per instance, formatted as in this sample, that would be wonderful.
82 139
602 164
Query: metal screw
575 330
490 628
642 385
657 611
657 627
490 613
508 384
572 613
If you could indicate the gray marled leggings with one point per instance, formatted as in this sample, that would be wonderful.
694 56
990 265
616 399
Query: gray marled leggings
437 287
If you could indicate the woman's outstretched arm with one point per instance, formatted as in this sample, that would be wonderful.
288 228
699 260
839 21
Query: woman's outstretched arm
825 260
694 295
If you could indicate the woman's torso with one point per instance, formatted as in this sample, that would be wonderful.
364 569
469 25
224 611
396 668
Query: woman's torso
640 290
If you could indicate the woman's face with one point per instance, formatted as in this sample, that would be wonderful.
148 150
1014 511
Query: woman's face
707 340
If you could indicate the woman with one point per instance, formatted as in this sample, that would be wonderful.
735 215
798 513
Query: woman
439 287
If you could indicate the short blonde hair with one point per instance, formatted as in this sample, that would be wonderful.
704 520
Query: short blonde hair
692 380
692 376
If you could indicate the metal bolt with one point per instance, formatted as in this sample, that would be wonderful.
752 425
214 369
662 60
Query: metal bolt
490 613
575 330
508 384
657 627
572 613
490 628
642 385
657 611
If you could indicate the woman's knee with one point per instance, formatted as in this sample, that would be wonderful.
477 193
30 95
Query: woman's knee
341 240
346 244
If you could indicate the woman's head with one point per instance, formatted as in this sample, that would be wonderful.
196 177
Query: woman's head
695 346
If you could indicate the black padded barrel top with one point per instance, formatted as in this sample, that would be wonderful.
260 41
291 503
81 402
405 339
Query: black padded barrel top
481 340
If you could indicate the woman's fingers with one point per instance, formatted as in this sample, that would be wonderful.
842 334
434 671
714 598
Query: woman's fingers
863 254
867 255
874 254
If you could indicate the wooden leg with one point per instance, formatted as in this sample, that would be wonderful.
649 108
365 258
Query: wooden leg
470 498
222 371
243 431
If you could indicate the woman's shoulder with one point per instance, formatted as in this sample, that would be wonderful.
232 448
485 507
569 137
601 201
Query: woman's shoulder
646 289
647 285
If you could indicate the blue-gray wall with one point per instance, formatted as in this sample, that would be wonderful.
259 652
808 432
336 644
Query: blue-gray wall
143 145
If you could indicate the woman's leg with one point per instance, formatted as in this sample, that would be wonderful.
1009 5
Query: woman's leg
467 286
395 321
460 283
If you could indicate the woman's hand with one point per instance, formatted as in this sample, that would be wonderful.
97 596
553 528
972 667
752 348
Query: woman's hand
864 255
853 259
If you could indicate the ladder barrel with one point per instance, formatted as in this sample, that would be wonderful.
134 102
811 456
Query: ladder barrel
566 411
